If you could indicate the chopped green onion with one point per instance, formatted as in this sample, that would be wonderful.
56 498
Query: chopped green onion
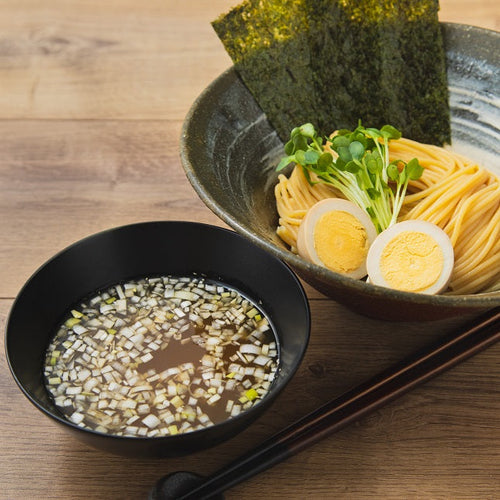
101 365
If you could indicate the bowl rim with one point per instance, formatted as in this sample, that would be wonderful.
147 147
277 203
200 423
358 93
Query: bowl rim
472 301
243 416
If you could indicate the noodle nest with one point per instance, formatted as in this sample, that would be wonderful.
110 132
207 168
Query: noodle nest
454 193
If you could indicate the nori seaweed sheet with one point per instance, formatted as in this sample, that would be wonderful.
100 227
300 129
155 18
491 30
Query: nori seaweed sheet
344 68
268 43
335 62
382 61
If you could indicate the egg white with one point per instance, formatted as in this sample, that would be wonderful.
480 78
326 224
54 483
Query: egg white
305 239
373 261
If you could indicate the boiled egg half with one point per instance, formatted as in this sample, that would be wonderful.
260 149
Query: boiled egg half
336 233
412 256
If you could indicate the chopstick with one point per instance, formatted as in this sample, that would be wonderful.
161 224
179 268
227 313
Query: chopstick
354 404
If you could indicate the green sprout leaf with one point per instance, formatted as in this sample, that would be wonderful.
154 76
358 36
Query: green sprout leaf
344 153
284 162
389 132
311 157
374 133
324 161
373 162
299 142
307 130
393 171
289 148
357 150
300 157
414 169
361 171
352 167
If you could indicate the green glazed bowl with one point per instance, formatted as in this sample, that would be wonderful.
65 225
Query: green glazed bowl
229 152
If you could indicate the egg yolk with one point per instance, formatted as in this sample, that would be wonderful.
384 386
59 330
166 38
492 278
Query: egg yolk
340 241
412 261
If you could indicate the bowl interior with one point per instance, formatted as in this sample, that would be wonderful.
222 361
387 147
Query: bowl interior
154 249
229 152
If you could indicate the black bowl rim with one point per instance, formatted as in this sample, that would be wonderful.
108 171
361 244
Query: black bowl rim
472 301
268 400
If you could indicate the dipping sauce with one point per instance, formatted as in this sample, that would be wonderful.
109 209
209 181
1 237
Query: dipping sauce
161 356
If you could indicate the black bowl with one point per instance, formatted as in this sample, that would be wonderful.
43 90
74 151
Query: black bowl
229 152
152 249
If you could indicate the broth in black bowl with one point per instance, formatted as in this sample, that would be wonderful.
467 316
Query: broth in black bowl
119 255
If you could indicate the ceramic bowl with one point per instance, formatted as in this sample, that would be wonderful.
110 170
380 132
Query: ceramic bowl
144 250
229 152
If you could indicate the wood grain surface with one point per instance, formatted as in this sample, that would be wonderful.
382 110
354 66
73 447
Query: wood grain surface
92 98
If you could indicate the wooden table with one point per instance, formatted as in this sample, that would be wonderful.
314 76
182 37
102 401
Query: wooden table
92 98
